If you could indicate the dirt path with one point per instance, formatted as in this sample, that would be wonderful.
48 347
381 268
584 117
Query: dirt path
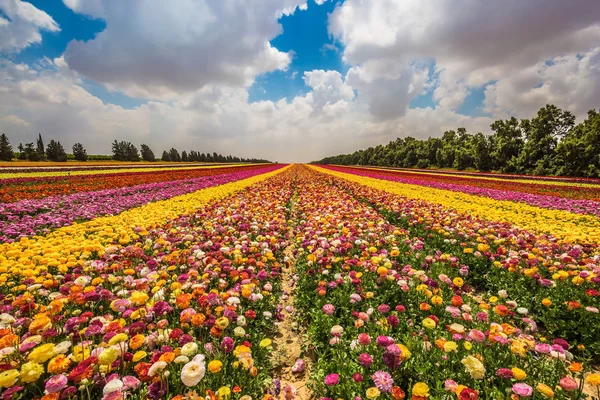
288 343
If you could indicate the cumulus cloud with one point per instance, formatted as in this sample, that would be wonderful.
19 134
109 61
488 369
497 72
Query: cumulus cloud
22 25
570 81
326 120
472 42
154 49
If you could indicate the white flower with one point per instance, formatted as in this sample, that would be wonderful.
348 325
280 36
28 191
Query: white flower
82 281
503 294
156 368
181 360
233 300
62 347
6 320
241 321
522 311
113 386
189 349
192 373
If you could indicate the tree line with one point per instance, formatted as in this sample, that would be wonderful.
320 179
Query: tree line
551 143
121 151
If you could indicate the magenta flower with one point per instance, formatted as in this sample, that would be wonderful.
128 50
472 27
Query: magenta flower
332 379
328 309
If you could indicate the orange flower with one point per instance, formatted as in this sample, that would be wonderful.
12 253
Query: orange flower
216 332
8 340
167 357
424 307
457 301
198 319
575 367
183 300
59 364
501 310
40 323
397 393
137 341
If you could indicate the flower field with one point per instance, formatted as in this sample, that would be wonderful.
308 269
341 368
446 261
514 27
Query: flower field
281 282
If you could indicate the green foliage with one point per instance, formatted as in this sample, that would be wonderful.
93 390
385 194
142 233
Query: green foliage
6 152
56 152
147 153
125 151
548 144
79 152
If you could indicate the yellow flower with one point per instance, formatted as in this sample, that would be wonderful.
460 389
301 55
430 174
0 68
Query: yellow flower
458 282
215 366
593 379
428 323
222 322
139 298
31 371
118 338
223 391
474 367
450 346
8 378
42 353
108 356
373 393
518 373
545 390
420 389
467 345
139 355
265 343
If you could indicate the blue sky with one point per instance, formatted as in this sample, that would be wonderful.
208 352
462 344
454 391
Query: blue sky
304 34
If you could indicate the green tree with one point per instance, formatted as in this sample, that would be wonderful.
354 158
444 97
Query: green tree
6 152
147 153
56 152
79 152
542 134
578 154
40 146
165 156
174 155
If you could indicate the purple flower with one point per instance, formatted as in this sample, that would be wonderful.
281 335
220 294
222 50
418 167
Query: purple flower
227 344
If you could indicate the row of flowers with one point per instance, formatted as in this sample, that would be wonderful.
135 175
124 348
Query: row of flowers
559 282
61 172
386 321
185 310
568 226
91 166
70 246
555 180
570 198
40 216
14 190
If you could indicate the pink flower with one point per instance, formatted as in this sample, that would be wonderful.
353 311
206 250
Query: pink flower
543 348
383 308
383 381
522 389
450 385
328 309
569 384
332 379
477 336
357 377
56 383
504 373
365 360
298 366
364 339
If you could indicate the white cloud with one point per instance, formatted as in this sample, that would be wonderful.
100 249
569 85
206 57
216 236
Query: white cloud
571 82
154 49
472 42
22 26
16 121
327 120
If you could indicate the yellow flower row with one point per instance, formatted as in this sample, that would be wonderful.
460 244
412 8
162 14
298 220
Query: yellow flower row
549 181
71 245
570 227
99 171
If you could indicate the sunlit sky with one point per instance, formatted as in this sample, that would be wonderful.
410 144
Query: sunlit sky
287 80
